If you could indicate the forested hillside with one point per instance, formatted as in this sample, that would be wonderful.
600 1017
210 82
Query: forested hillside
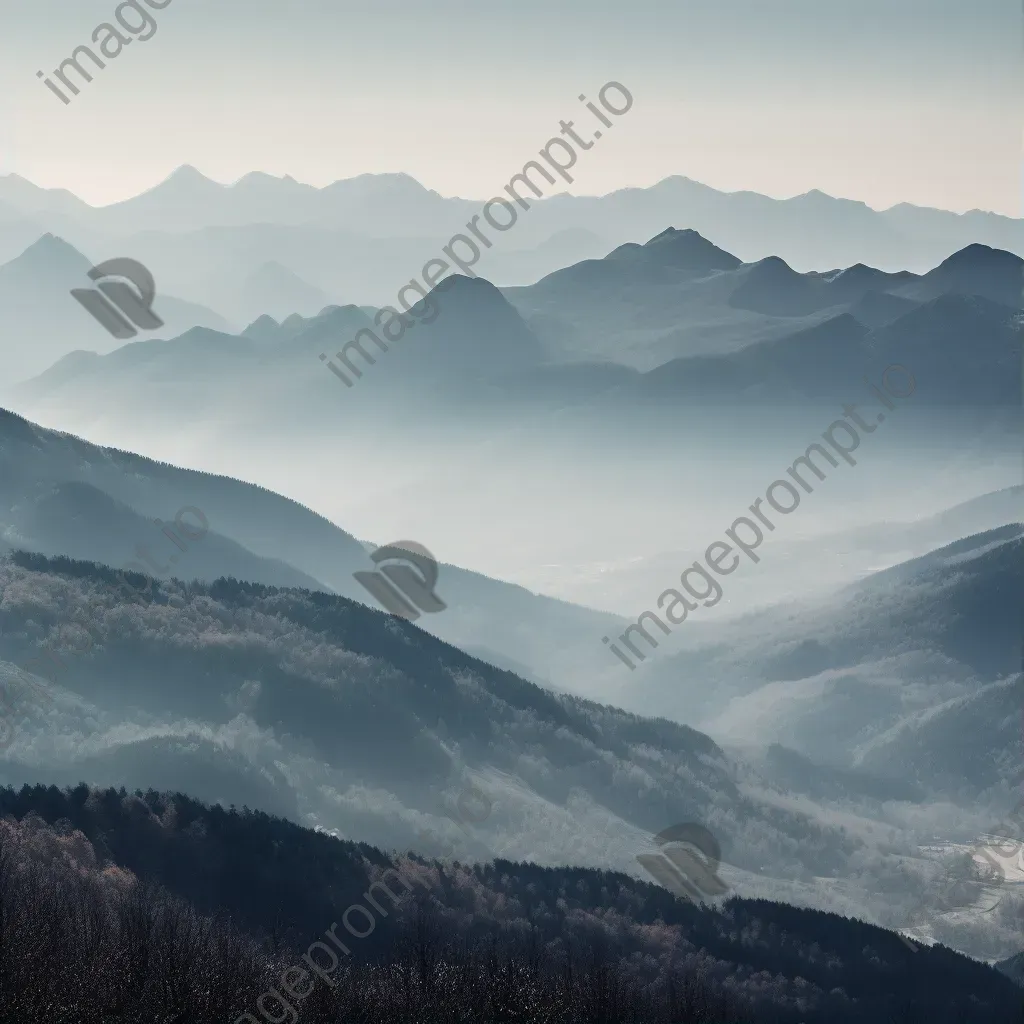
324 711
148 906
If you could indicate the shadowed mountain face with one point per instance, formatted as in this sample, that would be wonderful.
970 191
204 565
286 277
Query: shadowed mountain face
353 720
766 333
81 521
703 326
480 406
35 459
61 495
976 270
680 250
821 361
1013 968
644 304
463 334
467 332
912 673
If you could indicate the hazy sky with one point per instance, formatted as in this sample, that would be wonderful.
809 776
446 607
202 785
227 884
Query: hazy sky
879 100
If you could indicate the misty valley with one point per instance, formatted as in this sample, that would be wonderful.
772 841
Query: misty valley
638 639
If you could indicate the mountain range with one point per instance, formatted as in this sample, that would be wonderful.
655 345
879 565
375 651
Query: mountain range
911 673
570 423
40 316
253 684
696 323
811 231
61 495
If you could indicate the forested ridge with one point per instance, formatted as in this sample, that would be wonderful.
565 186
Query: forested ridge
118 906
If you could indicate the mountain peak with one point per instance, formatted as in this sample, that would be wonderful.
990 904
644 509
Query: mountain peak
263 328
684 249
979 270
186 172
260 176
260 180
815 195
48 240
977 254
375 184
773 265
51 253
186 179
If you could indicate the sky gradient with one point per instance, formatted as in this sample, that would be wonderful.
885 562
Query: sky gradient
896 101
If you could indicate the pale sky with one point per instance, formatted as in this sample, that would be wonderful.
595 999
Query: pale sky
885 101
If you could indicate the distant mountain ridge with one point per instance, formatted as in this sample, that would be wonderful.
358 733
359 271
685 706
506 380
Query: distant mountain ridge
884 673
679 298
810 231
695 322
42 320
61 495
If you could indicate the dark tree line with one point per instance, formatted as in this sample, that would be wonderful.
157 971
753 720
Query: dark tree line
123 907
82 944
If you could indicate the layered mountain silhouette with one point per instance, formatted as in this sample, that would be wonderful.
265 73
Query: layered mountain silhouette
667 327
81 521
682 250
763 329
352 720
976 270
43 321
61 495
913 673
810 231
463 336
678 296
963 350
257 669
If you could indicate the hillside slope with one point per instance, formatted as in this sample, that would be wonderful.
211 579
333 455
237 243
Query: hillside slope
497 942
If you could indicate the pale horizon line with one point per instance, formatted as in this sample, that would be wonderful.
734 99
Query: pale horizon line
564 193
